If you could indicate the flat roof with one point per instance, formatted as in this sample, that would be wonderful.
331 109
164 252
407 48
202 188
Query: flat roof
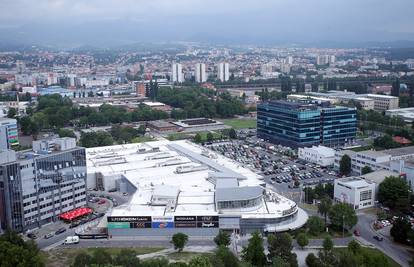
354 182
395 152
185 169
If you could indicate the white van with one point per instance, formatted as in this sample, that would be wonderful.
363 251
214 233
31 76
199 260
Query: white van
71 240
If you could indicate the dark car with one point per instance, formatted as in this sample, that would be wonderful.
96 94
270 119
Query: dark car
378 238
31 235
61 230
357 233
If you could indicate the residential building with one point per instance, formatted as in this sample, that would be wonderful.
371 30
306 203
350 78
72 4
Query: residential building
200 73
301 124
37 186
140 89
8 133
223 73
321 155
177 73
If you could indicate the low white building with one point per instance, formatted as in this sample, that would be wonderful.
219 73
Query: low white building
355 191
321 155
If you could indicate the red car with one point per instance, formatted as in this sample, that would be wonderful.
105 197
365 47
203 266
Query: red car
357 233
102 201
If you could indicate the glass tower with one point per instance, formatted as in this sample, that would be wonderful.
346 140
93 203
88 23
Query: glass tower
299 124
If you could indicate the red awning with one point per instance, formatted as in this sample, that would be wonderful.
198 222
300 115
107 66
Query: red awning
76 213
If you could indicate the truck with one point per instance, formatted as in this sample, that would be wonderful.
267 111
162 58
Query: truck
71 240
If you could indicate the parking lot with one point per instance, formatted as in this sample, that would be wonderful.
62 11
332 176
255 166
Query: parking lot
278 165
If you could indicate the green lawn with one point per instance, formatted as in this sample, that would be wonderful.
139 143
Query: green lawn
142 139
184 256
240 123
64 256
178 136
374 251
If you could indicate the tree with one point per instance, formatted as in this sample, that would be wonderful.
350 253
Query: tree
280 245
345 165
127 258
400 230
366 169
254 252
315 225
222 239
393 192
342 215
101 257
279 262
179 240
210 137
198 138
95 139
226 257
14 251
82 259
232 134
324 207
11 113
199 261
327 256
66 133
312 260
302 240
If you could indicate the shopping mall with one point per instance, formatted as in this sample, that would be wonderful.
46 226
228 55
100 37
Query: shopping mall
178 186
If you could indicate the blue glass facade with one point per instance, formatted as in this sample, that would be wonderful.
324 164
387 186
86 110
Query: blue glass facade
305 124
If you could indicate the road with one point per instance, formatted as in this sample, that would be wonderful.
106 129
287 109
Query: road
397 252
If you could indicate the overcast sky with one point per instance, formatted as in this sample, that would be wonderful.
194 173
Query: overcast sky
243 21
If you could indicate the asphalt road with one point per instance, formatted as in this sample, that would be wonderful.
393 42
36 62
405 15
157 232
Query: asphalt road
397 252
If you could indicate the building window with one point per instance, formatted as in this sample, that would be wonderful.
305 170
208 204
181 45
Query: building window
365 195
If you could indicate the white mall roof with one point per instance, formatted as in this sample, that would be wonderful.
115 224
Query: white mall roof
152 168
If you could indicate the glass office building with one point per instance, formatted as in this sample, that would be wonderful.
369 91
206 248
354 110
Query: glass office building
299 124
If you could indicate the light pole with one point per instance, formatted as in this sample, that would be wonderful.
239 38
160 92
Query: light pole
343 227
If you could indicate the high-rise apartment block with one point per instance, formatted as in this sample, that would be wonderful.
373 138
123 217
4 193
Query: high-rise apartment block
8 133
177 73
300 124
223 72
37 186
200 73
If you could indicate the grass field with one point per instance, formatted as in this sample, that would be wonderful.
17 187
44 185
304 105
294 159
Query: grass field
64 257
141 139
240 123
374 251
184 256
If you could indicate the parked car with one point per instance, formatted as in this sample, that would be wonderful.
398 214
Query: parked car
49 235
357 233
61 230
31 235
378 238
102 201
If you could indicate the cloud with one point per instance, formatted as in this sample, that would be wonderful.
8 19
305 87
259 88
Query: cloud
183 19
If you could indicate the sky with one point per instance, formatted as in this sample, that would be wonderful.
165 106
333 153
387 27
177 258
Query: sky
117 22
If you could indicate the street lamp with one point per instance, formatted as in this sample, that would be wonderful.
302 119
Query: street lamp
343 227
